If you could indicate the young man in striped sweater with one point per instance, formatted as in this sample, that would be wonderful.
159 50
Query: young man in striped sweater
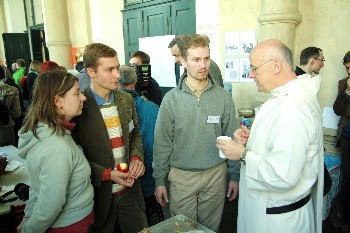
109 134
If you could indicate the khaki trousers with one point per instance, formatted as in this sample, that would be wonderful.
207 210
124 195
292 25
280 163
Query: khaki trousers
199 195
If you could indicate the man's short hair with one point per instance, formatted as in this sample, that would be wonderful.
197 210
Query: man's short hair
287 54
346 58
308 53
280 51
144 57
20 62
95 51
192 41
127 76
176 41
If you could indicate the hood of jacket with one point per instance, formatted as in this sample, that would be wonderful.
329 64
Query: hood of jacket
27 140
310 83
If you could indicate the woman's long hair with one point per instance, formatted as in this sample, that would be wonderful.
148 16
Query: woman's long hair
43 108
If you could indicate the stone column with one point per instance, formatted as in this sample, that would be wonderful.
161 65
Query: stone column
278 20
55 17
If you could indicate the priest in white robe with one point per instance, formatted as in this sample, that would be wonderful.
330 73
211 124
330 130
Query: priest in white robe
281 178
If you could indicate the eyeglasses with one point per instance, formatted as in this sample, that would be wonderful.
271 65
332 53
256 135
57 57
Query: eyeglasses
253 69
322 60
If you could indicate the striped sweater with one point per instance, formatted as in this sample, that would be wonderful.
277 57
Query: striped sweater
110 115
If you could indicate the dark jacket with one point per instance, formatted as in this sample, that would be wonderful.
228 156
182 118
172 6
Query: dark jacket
299 71
153 92
31 77
10 96
91 134
341 107
147 113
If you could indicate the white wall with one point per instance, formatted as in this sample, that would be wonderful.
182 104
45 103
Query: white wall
207 22
79 22
107 24
15 16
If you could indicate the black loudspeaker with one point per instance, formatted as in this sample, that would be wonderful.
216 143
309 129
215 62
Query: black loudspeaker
21 190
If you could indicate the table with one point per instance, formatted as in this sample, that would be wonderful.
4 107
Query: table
179 223
10 179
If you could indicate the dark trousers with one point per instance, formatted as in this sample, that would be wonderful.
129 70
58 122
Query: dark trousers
127 212
342 201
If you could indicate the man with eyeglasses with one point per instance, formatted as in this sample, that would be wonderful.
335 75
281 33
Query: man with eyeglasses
311 61
281 176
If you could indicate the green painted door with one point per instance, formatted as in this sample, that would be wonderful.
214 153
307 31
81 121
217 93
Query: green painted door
169 18
132 32
158 19
183 15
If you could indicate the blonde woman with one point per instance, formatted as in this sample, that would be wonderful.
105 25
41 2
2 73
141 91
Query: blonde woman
33 73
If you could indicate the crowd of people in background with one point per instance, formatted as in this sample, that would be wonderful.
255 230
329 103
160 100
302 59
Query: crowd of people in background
80 132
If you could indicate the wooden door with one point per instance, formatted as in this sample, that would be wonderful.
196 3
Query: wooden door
16 47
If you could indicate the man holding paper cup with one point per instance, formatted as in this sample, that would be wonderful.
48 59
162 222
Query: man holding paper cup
190 119
281 178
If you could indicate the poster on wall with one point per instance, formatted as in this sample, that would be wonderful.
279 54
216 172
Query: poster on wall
162 62
244 70
231 43
77 55
248 41
232 70
238 46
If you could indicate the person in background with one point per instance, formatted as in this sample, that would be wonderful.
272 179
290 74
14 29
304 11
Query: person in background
214 69
340 212
79 66
311 61
152 92
147 112
109 133
33 73
191 117
281 181
84 79
18 120
13 67
20 71
49 65
7 72
61 194
11 108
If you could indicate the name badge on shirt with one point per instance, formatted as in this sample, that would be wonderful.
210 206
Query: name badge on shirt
131 126
213 119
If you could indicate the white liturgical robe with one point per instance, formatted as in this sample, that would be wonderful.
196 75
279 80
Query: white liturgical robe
284 163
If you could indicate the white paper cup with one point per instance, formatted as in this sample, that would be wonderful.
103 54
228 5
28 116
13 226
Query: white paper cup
221 154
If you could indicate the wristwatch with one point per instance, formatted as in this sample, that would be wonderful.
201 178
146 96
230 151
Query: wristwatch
243 155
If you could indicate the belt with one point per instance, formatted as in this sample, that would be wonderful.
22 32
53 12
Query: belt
290 207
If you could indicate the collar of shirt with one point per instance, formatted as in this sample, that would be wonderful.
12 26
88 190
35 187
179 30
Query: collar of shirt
194 89
100 100
133 93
